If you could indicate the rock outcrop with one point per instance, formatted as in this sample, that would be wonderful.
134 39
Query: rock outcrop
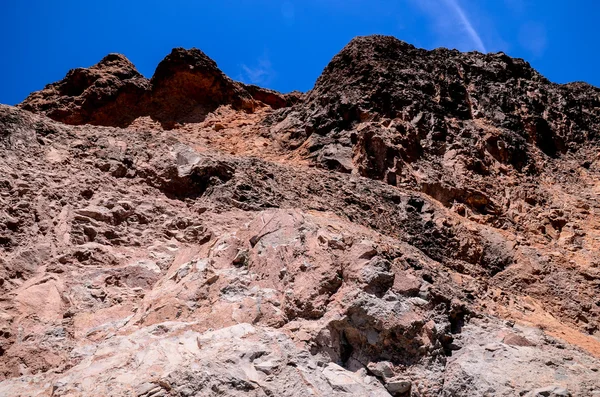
107 93
186 86
421 223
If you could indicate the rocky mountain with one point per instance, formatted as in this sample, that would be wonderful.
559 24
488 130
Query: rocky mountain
420 223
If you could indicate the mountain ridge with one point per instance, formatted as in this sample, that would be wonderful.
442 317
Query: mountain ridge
420 223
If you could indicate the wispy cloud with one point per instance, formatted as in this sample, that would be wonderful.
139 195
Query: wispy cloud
533 38
260 72
466 23
288 12
448 15
517 7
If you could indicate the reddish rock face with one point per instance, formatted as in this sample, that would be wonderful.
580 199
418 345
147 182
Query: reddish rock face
421 223
106 94
186 86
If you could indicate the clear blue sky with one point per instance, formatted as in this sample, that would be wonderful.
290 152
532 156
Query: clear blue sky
284 45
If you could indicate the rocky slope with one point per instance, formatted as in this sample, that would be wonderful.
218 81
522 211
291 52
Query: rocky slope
421 223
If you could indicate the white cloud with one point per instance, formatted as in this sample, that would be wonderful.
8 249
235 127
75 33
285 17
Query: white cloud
259 73
533 38
448 15
288 12
466 23
518 7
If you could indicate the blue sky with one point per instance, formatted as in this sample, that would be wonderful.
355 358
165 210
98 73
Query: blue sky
285 45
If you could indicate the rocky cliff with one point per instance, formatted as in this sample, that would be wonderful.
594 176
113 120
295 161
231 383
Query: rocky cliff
420 223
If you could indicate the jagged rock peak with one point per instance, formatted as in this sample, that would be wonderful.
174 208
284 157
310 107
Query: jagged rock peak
186 86
378 78
390 51
79 79
382 66
116 60
182 59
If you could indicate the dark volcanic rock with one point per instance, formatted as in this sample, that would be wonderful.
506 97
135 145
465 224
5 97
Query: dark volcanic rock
379 77
442 121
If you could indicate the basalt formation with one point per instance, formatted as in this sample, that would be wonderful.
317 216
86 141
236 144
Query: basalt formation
420 223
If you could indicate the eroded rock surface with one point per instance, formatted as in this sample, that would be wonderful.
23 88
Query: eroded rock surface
186 86
421 223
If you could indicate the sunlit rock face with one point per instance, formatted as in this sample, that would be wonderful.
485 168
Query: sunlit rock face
420 223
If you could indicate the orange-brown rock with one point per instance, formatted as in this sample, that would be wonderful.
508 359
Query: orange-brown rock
186 86
421 223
